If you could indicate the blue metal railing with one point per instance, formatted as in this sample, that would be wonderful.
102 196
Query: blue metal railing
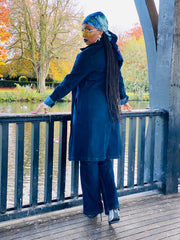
142 166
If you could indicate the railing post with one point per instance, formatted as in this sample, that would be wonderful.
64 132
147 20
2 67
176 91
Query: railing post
131 151
74 179
172 156
141 152
149 151
164 152
49 162
18 193
4 127
34 163
121 161
62 161
173 89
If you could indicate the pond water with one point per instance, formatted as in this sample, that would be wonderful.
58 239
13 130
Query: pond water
28 107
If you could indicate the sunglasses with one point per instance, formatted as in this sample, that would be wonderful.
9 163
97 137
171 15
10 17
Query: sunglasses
86 32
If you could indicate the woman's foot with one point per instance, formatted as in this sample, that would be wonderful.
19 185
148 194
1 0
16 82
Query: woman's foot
92 216
113 216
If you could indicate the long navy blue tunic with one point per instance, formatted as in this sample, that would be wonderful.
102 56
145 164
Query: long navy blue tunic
94 135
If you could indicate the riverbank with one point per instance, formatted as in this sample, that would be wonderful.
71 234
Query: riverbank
27 94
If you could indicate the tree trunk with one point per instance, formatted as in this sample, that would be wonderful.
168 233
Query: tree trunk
41 73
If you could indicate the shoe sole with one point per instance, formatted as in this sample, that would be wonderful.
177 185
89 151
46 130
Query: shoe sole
113 221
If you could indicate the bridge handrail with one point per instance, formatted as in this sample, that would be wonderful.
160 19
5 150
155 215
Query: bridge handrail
19 117
145 160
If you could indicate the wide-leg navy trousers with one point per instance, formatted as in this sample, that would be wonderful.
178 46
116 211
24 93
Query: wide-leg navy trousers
97 180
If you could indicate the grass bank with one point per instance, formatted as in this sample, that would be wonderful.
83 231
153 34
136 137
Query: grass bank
26 94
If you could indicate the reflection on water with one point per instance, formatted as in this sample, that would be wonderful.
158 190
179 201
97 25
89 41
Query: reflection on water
28 107
17 107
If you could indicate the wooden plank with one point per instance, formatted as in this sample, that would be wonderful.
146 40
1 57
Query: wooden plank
86 229
156 231
142 217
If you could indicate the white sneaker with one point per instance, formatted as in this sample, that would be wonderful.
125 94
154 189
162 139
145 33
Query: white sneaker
113 216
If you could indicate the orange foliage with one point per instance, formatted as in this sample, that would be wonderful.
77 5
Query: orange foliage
4 24
121 43
134 33
60 68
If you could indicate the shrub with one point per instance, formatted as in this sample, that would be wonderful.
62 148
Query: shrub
11 84
23 79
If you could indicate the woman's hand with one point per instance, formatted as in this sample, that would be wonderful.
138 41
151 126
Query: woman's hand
125 107
42 105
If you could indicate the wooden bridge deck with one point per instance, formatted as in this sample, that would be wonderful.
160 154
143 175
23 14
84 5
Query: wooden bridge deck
149 216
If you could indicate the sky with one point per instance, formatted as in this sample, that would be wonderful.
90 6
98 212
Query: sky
121 14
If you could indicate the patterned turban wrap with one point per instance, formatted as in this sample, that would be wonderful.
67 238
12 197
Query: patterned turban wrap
100 22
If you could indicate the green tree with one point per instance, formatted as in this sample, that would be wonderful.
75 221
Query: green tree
44 30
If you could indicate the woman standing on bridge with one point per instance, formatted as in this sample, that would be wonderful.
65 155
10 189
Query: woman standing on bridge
97 91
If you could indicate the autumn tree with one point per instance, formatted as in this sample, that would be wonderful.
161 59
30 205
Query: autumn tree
4 34
135 71
44 30
19 68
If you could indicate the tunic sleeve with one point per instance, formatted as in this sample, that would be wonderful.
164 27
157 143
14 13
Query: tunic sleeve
123 97
80 70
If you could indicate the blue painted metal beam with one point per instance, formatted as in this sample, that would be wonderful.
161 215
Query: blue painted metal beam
173 152
161 94
150 42
159 63
163 81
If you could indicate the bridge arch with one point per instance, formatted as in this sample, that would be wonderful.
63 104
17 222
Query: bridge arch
158 34
162 41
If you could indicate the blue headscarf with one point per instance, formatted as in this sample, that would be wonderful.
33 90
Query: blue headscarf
100 22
